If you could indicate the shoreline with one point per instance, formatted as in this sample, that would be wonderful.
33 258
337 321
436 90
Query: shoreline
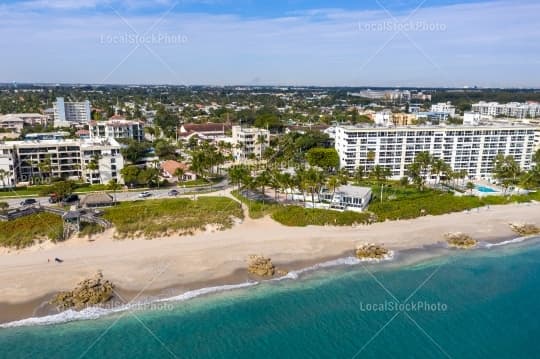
172 266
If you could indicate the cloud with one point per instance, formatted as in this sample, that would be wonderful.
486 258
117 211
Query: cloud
490 43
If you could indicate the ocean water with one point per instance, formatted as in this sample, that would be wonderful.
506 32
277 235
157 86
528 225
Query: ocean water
476 304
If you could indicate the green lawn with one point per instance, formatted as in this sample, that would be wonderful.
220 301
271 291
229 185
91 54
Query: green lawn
154 218
23 232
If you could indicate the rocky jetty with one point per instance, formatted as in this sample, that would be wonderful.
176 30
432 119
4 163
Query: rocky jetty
263 267
371 251
89 292
525 229
460 240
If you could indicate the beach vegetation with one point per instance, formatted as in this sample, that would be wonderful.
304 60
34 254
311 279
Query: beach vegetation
165 217
25 231
295 216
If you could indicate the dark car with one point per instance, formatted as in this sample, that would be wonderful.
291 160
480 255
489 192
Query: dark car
29 202
173 192
70 199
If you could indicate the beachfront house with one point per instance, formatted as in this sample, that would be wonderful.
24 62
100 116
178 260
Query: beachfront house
346 198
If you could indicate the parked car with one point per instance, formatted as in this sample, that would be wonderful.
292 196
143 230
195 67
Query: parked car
53 198
173 192
29 202
70 199
144 194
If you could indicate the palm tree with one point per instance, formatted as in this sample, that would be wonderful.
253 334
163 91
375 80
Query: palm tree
93 166
437 167
179 173
45 166
3 175
359 174
333 182
470 187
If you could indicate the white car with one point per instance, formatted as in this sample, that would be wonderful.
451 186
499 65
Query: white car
144 194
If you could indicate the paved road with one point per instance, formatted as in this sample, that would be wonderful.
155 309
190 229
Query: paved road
134 195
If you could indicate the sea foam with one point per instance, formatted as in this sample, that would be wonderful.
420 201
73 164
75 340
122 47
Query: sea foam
71 315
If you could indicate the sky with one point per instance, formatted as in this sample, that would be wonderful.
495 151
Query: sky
421 43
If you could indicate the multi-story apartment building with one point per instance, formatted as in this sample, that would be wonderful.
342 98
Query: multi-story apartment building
512 109
70 113
469 148
249 141
117 127
444 107
388 95
26 161
16 121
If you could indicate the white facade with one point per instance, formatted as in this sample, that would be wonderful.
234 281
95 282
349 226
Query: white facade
67 158
512 109
347 198
69 113
470 148
249 141
383 118
445 107
117 128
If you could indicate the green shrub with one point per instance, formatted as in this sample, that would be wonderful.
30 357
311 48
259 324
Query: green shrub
301 217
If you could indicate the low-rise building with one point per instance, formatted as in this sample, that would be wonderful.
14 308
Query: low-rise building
512 109
117 127
169 170
11 123
444 107
347 198
249 142
209 131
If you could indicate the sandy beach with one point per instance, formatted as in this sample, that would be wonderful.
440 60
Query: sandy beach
174 265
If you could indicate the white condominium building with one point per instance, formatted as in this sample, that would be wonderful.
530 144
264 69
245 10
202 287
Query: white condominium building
444 107
469 148
71 113
117 127
512 109
35 160
249 141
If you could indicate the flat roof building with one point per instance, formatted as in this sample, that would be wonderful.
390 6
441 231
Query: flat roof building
71 113
469 148
32 161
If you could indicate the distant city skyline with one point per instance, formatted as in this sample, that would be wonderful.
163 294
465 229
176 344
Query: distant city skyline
442 43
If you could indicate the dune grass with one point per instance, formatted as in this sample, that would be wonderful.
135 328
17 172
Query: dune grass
408 202
23 232
295 216
257 209
163 217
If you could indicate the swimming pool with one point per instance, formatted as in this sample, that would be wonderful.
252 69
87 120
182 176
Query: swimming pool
485 189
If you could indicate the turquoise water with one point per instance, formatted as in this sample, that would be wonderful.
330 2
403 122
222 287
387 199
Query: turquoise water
483 304
485 189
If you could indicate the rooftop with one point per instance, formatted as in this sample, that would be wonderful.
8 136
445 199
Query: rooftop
354 191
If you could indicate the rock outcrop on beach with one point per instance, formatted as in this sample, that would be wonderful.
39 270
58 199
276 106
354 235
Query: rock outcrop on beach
525 229
371 251
263 267
460 240
90 291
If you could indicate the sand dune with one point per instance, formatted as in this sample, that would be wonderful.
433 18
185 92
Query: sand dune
186 262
